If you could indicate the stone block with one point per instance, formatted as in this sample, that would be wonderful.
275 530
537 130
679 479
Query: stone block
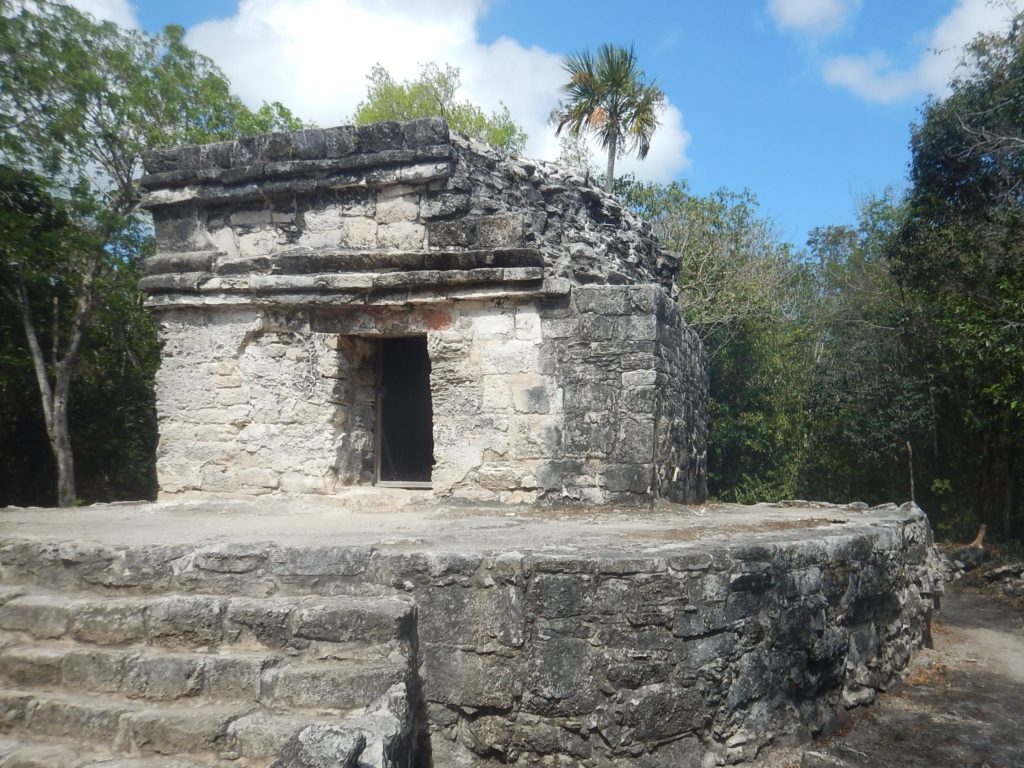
379 137
40 616
593 396
78 719
558 677
109 622
425 132
358 232
641 328
602 300
494 324
100 671
600 328
501 230
635 441
326 219
25 667
505 357
163 677
188 621
172 731
628 478
692 654
444 204
268 622
232 557
338 685
400 236
322 745
319 561
463 233
559 596
532 399
343 620
339 141
460 678
400 209
535 437
662 711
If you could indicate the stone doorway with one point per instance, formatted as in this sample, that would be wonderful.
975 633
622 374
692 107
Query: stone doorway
405 440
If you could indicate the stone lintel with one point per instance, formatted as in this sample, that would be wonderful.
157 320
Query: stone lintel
308 261
204 282
259 183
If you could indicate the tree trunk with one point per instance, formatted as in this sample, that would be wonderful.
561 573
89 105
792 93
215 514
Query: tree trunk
56 397
1009 497
610 175
60 442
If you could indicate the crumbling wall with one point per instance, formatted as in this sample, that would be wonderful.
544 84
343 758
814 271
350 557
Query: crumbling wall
560 367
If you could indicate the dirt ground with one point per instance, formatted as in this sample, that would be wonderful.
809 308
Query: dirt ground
961 705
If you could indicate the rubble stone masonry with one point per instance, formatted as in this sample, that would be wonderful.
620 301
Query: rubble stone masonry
559 367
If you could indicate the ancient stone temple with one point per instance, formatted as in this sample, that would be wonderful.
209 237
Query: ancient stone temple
396 305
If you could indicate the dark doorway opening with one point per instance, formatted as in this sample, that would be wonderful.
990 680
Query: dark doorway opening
405 439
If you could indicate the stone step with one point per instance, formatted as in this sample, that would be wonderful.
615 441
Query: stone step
199 731
272 679
207 621
26 752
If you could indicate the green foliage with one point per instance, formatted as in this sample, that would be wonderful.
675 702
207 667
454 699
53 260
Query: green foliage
867 398
433 94
81 96
960 254
733 266
80 101
607 95
741 291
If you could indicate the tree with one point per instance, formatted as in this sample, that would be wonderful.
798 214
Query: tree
960 253
606 95
80 102
733 266
433 94
868 396
741 291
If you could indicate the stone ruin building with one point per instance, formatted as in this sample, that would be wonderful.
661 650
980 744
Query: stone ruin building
395 305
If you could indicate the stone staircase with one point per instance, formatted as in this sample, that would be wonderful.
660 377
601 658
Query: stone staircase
191 680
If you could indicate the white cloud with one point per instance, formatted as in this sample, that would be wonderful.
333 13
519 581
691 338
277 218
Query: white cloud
816 17
314 56
668 151
874 78
118 11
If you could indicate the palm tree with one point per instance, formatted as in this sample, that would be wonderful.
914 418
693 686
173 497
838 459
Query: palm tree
607 96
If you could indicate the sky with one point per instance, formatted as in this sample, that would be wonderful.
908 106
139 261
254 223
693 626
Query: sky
806 103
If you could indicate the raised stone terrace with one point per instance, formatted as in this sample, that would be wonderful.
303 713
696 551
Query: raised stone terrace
387 628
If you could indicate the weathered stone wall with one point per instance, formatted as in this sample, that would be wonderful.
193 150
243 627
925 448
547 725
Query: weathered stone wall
532 401
665 659
681 654
560 368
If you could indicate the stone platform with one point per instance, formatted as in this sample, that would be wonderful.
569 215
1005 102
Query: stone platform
669 636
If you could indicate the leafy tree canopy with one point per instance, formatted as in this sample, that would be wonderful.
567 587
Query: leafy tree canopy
83 99
960 252
79 102
733 265
433 94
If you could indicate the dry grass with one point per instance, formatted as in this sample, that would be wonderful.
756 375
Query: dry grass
928 674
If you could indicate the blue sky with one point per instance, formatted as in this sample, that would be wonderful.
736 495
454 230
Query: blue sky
807 103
